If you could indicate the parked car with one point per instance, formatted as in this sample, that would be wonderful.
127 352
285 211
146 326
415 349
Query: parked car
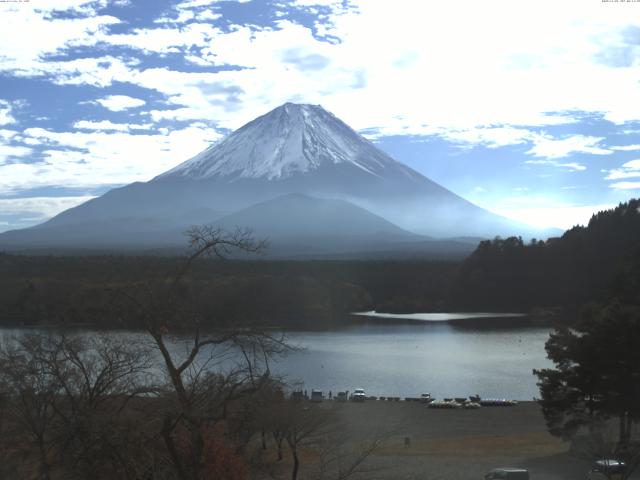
341 397
507 474
426 398
316 396
607 470
358 395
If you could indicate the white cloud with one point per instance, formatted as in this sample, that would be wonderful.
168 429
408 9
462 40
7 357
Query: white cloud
186 10
453 82
12 151
164 40
549 147
33 210
94 71
101 125
98 72
94 158
29 33
422 74
86 7
325 3
6 116
203 3
7 134
625 186
491 137
626 148
207 15
416 68
629 169
106 125
573 166
548 212
183 16
40 207
405 82
118 103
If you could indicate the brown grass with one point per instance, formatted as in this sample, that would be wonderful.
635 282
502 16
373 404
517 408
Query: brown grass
527 444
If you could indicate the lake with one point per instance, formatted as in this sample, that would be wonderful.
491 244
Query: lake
409 359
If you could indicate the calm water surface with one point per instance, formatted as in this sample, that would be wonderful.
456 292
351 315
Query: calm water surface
407 360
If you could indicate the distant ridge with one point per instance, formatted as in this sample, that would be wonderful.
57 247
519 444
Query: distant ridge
311 217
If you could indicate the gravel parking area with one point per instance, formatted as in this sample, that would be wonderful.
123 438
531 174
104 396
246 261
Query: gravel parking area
457 444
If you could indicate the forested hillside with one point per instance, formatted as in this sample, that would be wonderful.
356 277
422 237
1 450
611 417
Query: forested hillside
586 264
50 290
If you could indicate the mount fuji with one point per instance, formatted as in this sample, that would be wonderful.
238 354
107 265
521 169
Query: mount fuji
297 175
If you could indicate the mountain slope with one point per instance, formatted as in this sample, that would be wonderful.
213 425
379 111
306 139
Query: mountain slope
294 149
290 140
299 216
300 226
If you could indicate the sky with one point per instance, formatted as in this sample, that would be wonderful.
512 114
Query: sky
530 109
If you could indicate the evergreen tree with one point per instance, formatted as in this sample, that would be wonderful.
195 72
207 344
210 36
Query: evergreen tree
597 374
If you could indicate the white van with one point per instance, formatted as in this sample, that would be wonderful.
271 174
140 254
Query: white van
358 395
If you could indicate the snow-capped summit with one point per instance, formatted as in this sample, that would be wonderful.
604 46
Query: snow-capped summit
289 140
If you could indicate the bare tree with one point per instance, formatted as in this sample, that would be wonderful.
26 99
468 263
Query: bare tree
218 367
314 432
30 409
96 407
341 457
306 425
67 396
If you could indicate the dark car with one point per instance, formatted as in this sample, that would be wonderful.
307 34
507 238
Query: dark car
507 474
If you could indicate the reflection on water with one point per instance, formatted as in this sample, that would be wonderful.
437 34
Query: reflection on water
437 317
405 360
408 360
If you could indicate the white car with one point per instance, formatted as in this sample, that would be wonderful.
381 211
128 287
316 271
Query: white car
426 398
607 470
358 395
